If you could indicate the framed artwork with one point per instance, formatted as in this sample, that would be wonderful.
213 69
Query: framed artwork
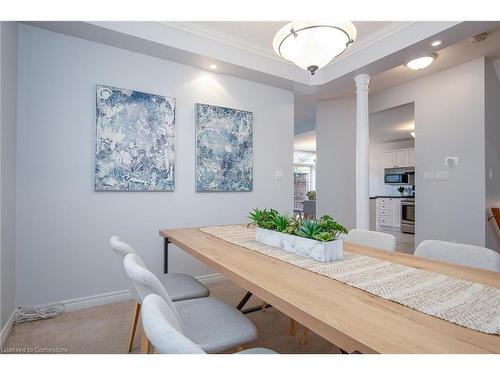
224 149
135 141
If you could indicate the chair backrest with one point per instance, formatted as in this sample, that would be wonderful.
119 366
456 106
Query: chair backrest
145 282
373 239
163 329
120 248
457 253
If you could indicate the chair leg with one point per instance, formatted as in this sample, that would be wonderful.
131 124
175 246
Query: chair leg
133 328
145 344
303 339
293 328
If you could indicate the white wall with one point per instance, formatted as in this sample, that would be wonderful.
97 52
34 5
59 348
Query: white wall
8 76
492 153
377 166
449 120
336 160
63 225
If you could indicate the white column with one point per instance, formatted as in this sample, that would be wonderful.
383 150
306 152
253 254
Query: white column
362 149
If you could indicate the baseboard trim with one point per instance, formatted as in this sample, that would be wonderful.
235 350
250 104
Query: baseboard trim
103 299
96 300
210 278
5 332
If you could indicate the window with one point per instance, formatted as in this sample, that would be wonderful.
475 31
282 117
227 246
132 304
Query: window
304 176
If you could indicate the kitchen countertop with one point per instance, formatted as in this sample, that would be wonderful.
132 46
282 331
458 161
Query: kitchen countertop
393 196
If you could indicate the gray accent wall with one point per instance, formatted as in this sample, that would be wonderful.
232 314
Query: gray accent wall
63 225
492 152
449 118
8 99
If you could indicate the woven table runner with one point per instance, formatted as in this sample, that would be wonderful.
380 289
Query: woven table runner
468 304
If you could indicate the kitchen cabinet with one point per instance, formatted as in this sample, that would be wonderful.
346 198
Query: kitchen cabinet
411 157
399 158
389 212
389 159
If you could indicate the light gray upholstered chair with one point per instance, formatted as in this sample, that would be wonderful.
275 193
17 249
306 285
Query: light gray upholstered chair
377 240
164 330
457 253
178 285
211 324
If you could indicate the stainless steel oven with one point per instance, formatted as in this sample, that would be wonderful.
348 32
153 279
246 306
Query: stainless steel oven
408 216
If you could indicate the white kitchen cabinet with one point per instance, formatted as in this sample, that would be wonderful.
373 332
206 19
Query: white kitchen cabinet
399 158
389 212
389 159
411 157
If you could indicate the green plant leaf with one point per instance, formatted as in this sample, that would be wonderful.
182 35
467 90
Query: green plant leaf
324 236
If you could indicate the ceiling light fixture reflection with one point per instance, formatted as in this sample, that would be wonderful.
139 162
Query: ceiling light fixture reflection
213 67
312 45
422 62
412 134
436 43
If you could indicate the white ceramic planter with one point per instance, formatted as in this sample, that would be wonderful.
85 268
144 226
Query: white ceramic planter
318 250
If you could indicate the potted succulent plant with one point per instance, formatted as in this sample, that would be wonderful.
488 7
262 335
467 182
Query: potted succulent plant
317 239
401 190
311 195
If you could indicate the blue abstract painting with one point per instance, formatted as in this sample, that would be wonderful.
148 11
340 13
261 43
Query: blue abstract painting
224 149
135 141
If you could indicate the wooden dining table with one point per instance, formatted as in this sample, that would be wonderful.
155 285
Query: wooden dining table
350 318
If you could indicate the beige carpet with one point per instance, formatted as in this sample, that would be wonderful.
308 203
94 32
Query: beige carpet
104 329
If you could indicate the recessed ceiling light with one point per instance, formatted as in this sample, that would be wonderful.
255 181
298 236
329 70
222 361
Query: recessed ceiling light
213 67
421 62
436 43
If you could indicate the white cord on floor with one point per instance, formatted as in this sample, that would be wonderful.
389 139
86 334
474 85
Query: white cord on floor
30 313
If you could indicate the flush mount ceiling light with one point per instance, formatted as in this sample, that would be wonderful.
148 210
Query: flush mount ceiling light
213 67
312 45
436 43
421 62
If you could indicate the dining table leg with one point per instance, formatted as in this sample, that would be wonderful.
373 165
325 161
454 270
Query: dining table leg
243 302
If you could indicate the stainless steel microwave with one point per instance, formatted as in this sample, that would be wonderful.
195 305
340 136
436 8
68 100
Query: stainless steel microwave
399 176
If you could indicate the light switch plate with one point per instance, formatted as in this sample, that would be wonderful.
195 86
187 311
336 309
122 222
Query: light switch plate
278 174
441 176
428 176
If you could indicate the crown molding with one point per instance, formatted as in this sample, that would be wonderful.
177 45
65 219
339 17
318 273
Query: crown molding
205 32
208 33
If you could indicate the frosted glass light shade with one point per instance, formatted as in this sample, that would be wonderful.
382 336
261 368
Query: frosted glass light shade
312 45
421 62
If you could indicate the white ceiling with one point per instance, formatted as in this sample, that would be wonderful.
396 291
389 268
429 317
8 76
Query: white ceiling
305 141
258 36
393 124
454 55
244 50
